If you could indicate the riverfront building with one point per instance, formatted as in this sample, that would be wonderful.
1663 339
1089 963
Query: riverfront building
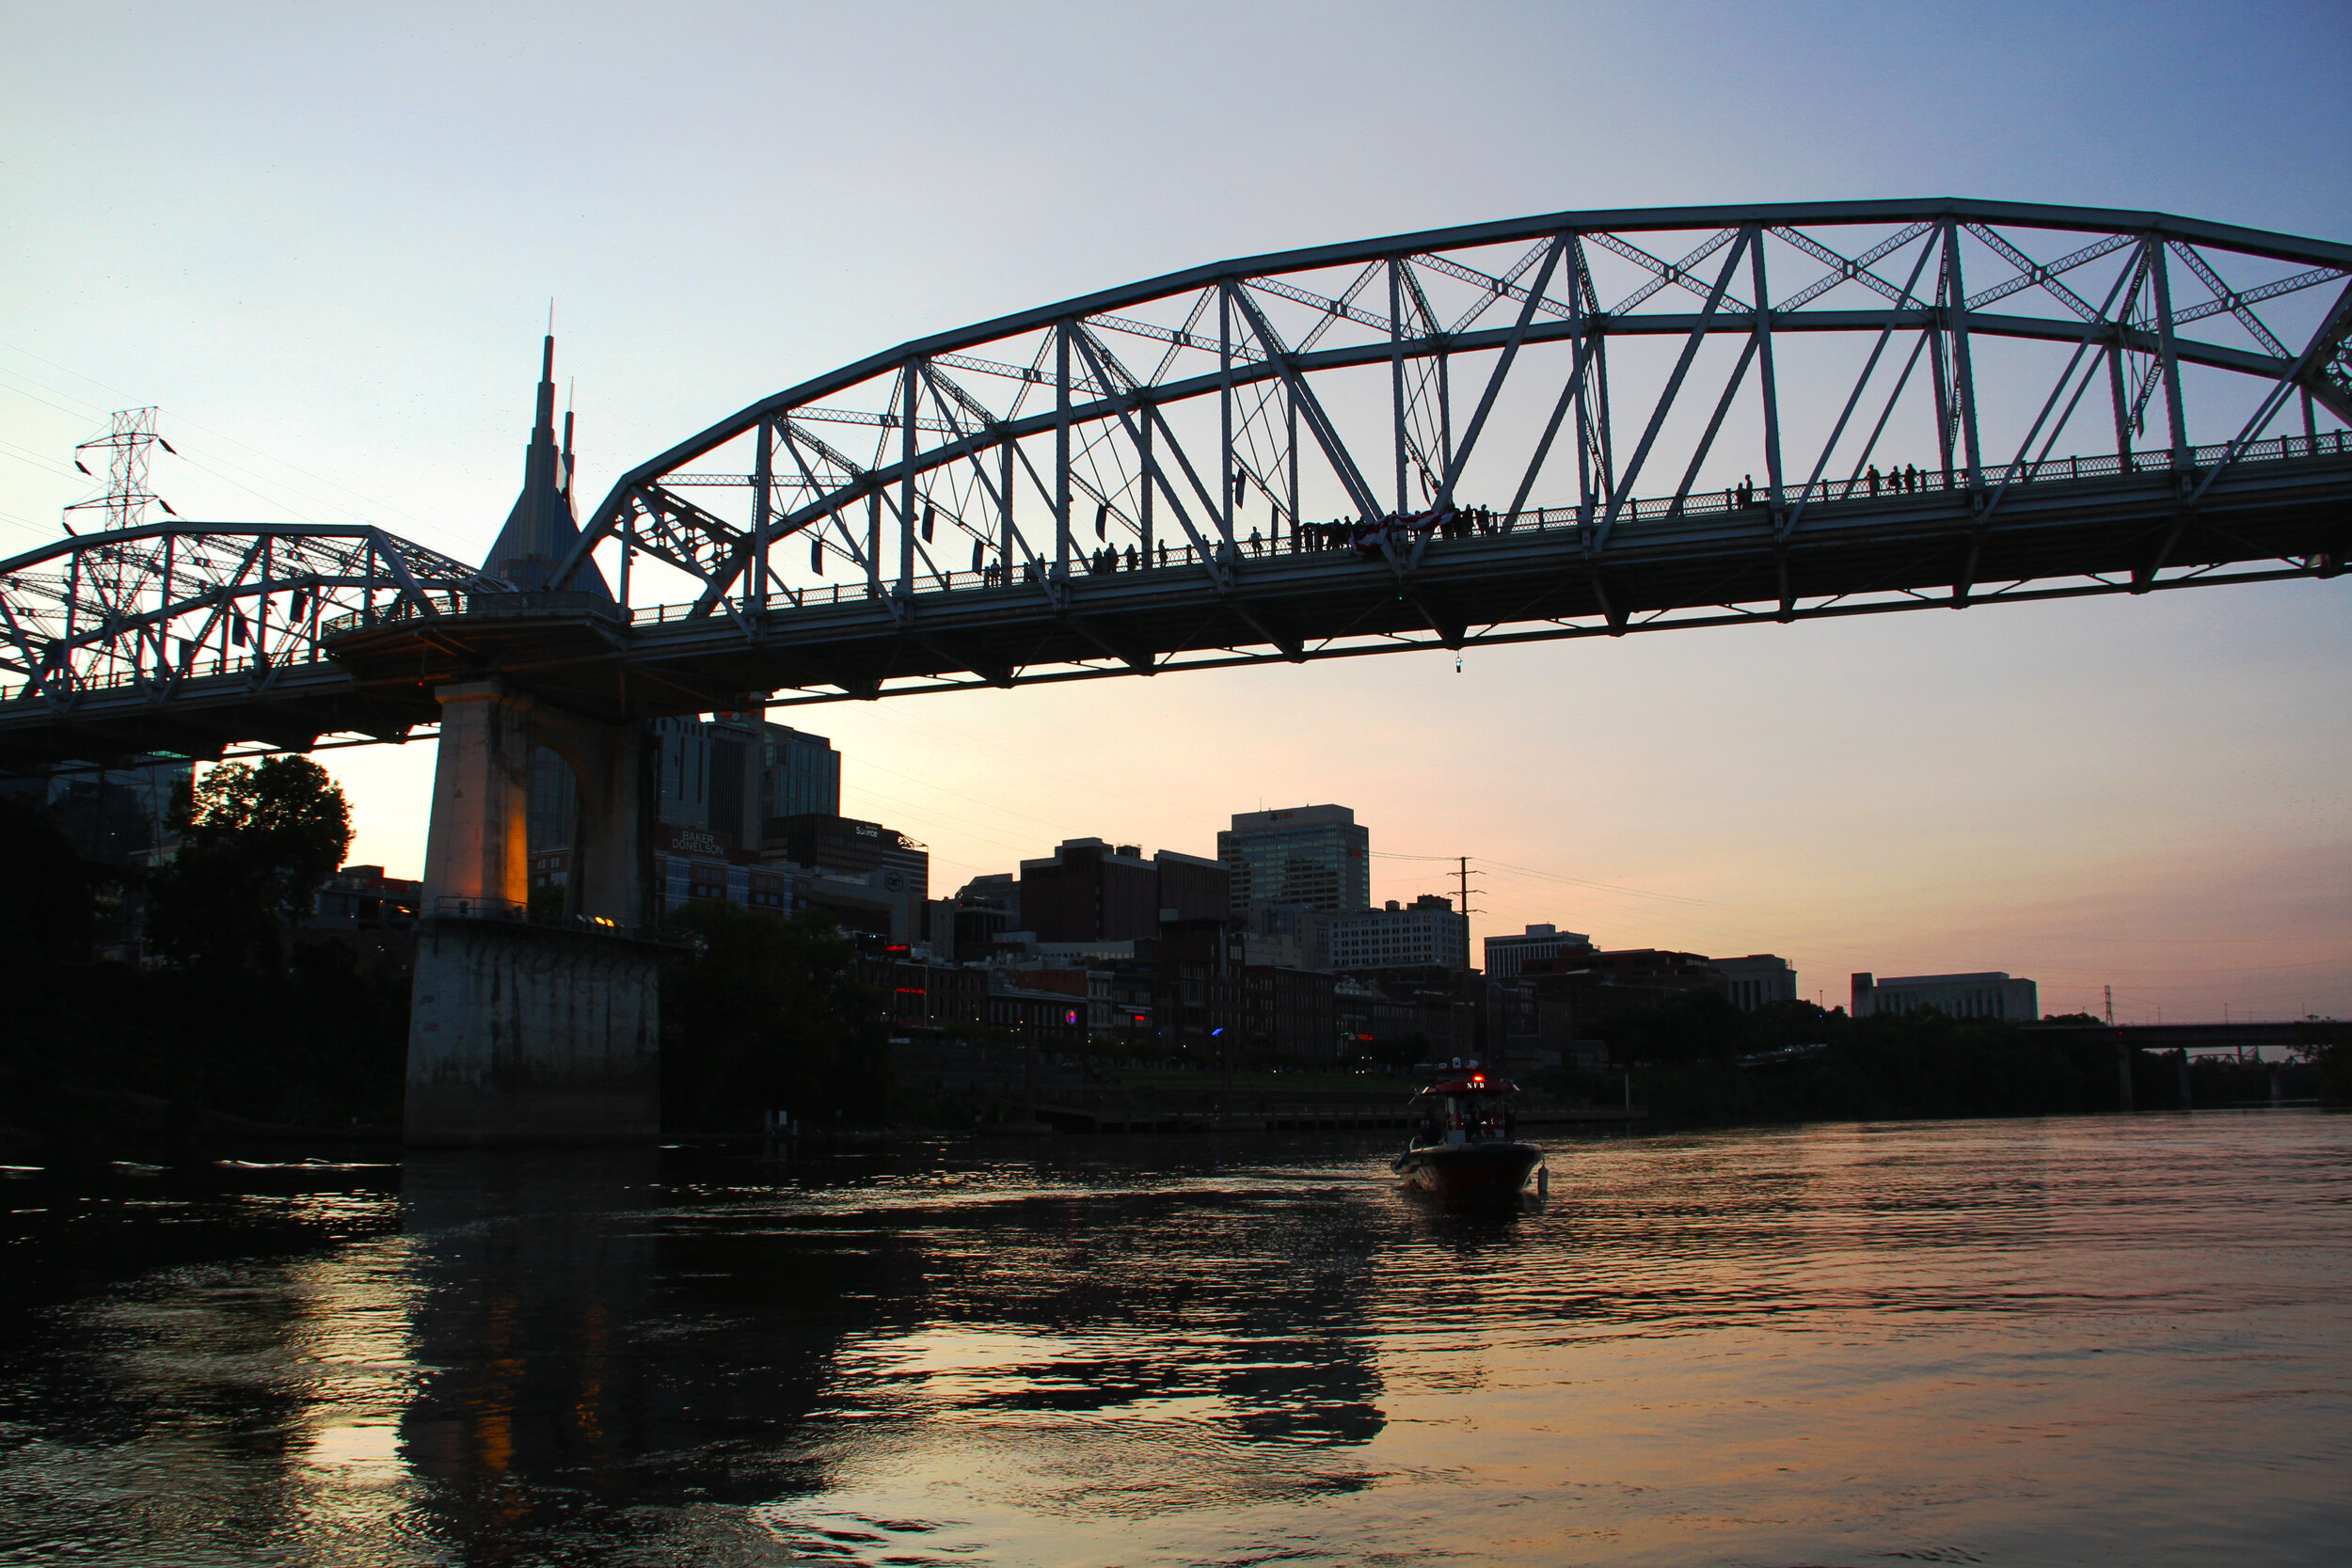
893 870
362 898
1758 980
1986 995
1426 933
1299 858
1087 890
1507 955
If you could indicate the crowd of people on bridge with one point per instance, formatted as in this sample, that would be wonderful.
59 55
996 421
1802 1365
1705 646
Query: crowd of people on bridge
1367 536
1901 481
1907 480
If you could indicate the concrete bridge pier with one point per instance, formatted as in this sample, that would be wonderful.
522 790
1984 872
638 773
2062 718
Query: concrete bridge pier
525 1033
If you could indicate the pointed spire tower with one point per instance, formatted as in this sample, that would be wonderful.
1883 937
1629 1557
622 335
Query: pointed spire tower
542 529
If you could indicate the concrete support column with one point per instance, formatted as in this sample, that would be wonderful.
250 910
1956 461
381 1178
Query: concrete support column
522 1032
612 764
475 845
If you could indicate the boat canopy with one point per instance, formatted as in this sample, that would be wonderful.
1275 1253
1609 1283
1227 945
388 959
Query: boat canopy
1472 1083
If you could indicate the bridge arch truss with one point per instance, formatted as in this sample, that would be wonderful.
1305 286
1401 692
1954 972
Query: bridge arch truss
193 636
1577 425
1602 378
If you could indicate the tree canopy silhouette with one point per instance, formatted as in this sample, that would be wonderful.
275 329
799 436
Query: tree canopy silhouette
258 841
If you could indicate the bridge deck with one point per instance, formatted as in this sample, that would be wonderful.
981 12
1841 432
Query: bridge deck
2055 537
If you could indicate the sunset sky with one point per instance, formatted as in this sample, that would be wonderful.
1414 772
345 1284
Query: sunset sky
325 244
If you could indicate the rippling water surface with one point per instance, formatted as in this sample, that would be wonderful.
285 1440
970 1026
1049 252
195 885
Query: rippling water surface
2097 1340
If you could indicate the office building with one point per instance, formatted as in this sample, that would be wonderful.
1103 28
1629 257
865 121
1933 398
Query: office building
1087 890
1505 956
1427 933
1758 980
1301 857
682 774
896 868
969 924
735 773
800 774
1290 1013
1986 995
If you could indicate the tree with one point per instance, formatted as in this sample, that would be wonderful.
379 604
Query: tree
258 844
771 1013
1696 1025
2327 1042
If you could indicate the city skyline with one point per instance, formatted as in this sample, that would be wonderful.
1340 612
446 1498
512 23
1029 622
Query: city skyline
336 295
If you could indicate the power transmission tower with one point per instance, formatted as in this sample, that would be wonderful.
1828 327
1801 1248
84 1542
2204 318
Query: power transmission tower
132 432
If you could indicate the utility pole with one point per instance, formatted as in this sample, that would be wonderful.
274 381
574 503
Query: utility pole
2122 1057
1497 1052
1461 881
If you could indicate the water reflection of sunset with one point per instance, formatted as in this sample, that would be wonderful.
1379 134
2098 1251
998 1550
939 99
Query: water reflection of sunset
2020 1341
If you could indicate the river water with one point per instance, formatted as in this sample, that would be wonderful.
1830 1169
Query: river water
2115 1340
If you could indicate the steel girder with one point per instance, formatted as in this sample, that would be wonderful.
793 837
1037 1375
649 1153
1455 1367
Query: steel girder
2078 532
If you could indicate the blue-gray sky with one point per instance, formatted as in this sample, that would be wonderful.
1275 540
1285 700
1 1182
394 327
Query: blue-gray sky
324 242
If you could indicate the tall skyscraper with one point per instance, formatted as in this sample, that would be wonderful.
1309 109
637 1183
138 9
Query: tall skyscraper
1299 858
734 773
800 774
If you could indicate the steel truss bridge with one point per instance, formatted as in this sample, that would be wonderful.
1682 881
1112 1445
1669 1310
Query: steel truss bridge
1579 425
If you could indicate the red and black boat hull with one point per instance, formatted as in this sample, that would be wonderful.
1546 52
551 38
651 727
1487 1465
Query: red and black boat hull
1469 1171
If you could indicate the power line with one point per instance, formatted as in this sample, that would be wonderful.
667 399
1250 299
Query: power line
1553 877
88 409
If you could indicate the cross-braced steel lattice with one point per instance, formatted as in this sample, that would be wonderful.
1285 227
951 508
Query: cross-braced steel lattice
1611 373
1579 424
129 434
146 611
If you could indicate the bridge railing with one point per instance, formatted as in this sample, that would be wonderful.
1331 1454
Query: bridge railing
596 605
2048 469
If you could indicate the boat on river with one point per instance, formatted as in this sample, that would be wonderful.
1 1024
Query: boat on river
1464 1145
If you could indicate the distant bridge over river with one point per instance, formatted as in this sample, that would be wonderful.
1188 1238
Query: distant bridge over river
2189 1036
